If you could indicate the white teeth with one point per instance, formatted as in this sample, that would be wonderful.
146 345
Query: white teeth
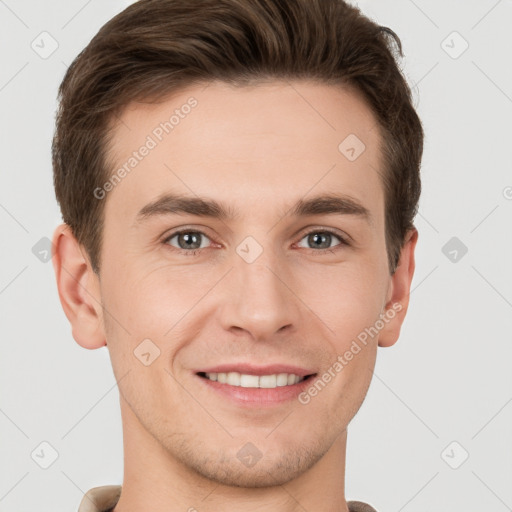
233 379
249 381
255 381
282 379
268 381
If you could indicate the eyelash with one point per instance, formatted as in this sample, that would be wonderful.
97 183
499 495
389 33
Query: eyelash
194 252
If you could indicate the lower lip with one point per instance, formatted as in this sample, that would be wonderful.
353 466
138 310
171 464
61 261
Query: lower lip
257 397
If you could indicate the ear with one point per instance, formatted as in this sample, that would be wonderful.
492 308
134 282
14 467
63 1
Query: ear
79 289
397 300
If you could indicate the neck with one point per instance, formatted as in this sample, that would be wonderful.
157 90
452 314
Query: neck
155 480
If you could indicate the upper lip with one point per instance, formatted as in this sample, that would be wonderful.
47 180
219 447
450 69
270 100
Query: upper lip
252 369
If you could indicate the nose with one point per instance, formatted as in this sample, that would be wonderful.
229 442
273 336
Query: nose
259 299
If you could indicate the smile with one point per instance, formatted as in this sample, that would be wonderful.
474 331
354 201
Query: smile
254 381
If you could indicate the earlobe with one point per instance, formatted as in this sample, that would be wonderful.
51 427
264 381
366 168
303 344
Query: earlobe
78 288
398 298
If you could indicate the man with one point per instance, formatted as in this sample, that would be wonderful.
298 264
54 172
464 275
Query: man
238 181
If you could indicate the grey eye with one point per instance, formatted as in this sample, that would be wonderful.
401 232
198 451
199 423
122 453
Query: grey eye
188 240
320 239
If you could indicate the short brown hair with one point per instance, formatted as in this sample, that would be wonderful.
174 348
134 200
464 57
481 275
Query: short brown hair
155 47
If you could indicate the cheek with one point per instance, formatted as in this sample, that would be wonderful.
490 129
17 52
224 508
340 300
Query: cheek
149 296
347 298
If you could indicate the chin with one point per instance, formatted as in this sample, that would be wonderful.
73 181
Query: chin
250 468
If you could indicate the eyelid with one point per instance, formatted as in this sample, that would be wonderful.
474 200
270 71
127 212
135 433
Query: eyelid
178 231
345 239
185 229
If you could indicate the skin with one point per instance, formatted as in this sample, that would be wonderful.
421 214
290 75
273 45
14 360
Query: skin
256 149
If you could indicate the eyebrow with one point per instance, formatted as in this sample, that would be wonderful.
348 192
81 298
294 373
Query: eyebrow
325 204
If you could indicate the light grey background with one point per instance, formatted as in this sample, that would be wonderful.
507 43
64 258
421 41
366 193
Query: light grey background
447 379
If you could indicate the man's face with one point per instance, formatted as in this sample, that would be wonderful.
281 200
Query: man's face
261 286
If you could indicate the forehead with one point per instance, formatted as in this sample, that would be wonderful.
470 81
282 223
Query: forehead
246 146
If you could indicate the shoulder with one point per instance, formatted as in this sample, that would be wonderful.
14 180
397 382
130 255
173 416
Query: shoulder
359 506
100 499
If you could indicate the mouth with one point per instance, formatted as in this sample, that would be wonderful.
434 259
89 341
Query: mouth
244 380
251 387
